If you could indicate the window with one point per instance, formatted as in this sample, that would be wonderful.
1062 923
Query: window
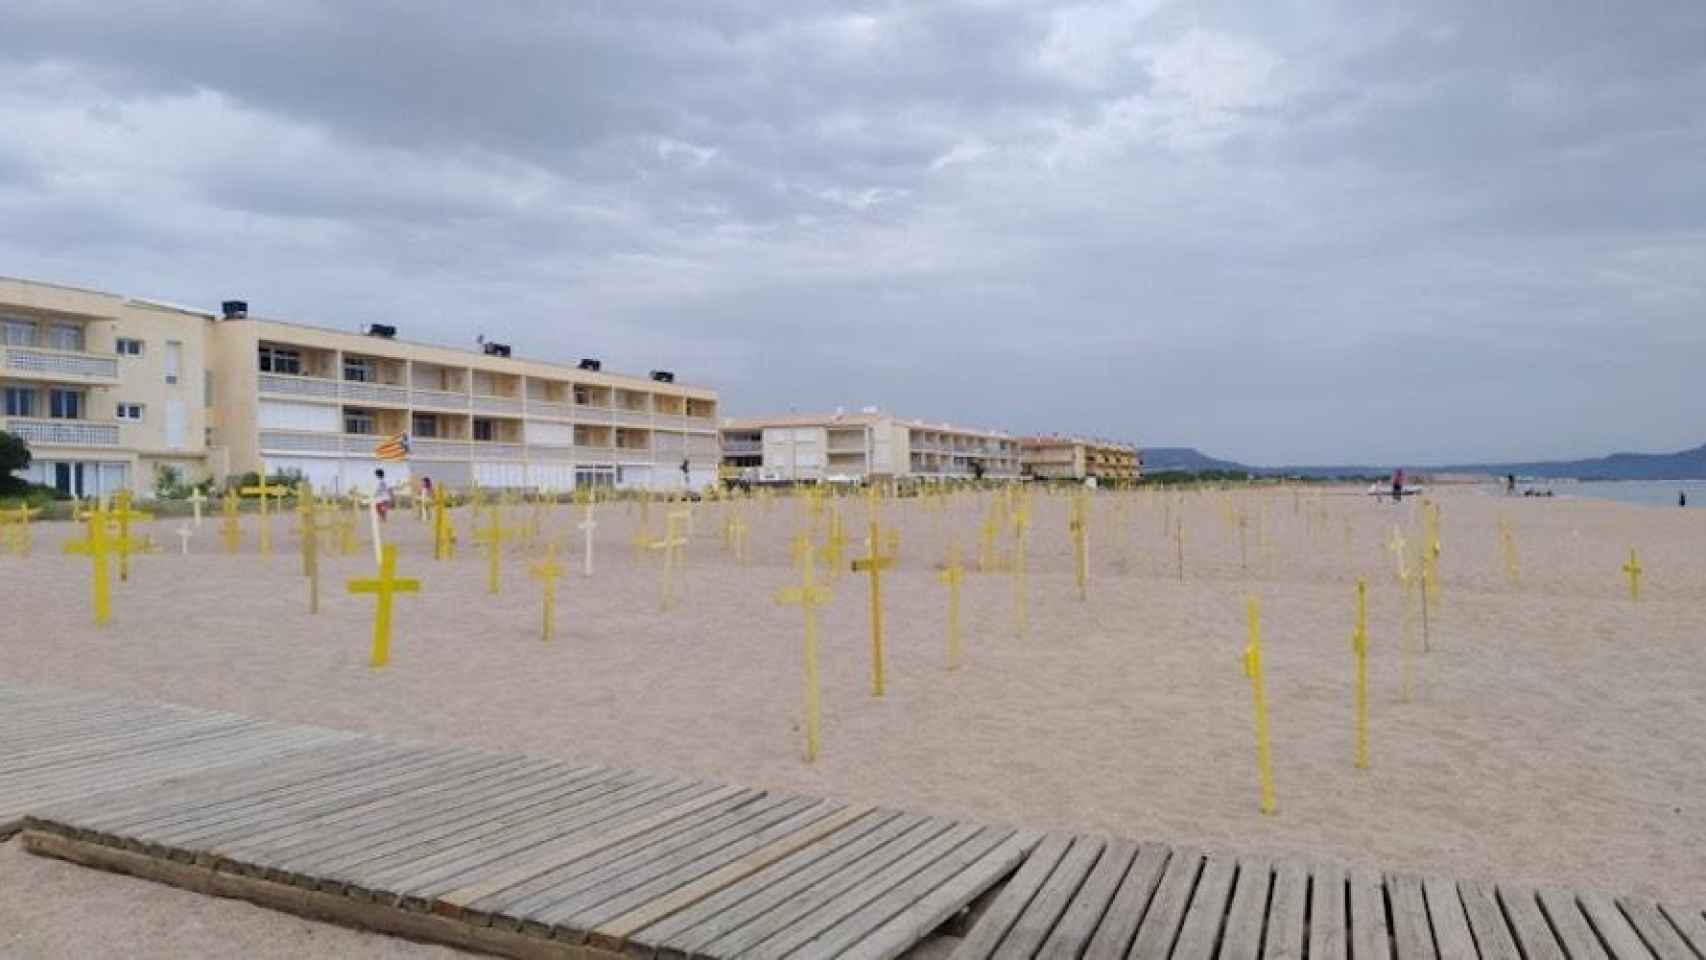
64 337
358 421
483 429
426 425
130 411
128 347
19 333
280 360
583 396
207 388
358 370
65 404
174 359
20 402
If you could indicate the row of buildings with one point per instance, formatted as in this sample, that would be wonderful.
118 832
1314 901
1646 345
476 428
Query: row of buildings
111 392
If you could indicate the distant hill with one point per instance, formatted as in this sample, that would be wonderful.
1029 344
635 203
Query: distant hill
1682 465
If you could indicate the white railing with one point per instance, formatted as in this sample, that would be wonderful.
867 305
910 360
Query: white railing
666 442
549 408
588 413
304 442
294 386
441 449
375 392
638 418
66 363
485 450
592 451
497 405
67 433
742 446
440 398
537 452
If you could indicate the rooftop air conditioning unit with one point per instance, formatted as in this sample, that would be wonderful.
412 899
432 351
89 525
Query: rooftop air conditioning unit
587 363
663 376
234 309
496 349
384 331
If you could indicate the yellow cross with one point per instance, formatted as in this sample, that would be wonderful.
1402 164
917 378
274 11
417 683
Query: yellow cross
384 587
493 536
671 545
951 576
311 526
1021 524
231 530
122 515
1359 647
735 532
1253 669
98 545
808 596
1633 569
547 571
1396 546
264 490
874 562
834 543
1077 523
19 538
443 535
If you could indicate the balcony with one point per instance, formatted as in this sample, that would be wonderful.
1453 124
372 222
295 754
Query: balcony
491 450
637 418
60 366
289 385
293 441
593 451
63 433
492 404
364 392
440 449
736 448
440 399
549 408
591 413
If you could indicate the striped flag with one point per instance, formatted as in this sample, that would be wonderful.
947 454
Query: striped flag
394 448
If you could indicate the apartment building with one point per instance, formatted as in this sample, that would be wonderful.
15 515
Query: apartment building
105 390
319 401
1079 458
851 447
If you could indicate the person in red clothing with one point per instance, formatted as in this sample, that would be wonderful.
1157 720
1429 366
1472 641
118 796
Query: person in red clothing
1398 485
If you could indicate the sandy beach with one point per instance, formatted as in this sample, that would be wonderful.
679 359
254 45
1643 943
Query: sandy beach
1548 732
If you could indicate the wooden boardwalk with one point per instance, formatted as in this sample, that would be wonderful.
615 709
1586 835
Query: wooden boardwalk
526 857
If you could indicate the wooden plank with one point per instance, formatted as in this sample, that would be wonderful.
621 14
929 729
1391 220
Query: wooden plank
920 907
1083 916
549 856
1370 936
1160 927
1534 936
1131 901
1329 913
1200 935
1046 908
658 875
1286 936
1004 912
613 933
1249 910
1571 926
1690 924
734 908
1494 939
1655 931
1614 931
620 801
816 907
1452 938
837 925
1412 938
552 902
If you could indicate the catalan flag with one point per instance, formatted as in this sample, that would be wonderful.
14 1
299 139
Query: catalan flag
393 448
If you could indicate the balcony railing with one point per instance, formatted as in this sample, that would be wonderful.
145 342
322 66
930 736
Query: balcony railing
546 452
491 450
549 408
741 447
440 449
446 399
497 404
290 385
374 392
302 442
639 418
64 433
71 364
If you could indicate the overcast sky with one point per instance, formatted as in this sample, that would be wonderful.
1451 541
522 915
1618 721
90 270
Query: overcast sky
1279 231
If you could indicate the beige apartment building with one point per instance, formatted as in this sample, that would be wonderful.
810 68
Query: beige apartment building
1079 458
852 447
104 388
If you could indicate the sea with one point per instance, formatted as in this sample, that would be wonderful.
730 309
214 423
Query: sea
1656 493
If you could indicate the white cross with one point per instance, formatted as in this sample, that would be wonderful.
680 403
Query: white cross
184 533
588 525
373 521
197 498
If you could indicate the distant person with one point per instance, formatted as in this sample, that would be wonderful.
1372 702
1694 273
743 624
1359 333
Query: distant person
1398 485
1510 484
381 494
1682 498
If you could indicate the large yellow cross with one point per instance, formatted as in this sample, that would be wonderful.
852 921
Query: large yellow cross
671 545
98 545
808 596
834 543
384 587
443 535
951 576
493 536
311 524
1253 669
874 562
265 490
1021 526
231 530
121 515
548 570
1633 569
1359 647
